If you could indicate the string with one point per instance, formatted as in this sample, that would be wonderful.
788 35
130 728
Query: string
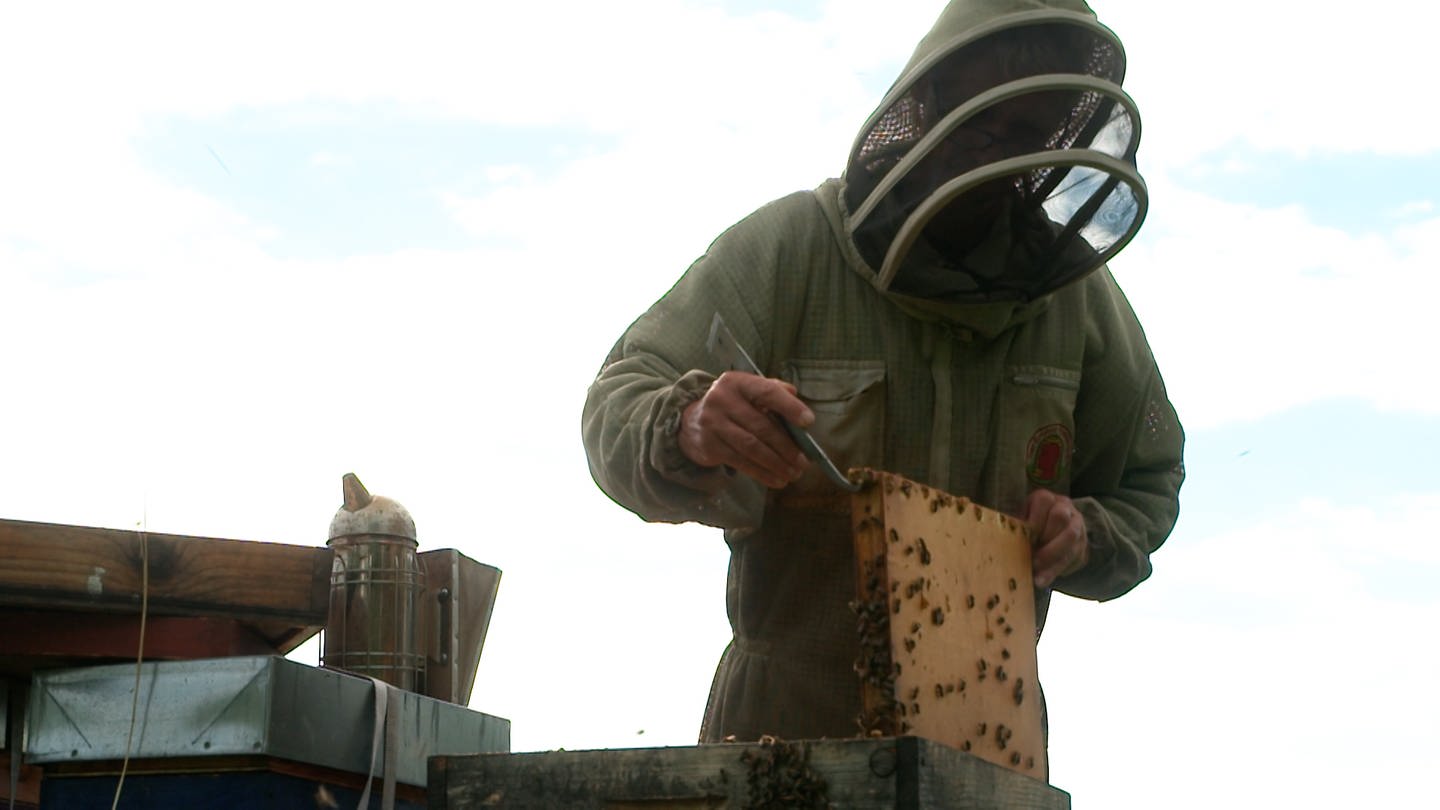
139 654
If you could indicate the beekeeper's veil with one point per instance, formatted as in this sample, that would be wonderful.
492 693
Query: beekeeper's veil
1001 164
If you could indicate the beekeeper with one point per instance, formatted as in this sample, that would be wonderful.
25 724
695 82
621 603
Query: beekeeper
942 311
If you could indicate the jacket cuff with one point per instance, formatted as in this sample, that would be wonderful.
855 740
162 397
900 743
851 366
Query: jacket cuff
1114 567
665 454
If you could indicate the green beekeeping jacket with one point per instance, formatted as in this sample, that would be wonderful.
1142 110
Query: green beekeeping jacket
989 401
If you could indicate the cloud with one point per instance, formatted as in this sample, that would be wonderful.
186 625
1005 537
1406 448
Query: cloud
327 158
1253 76
174 370
1412 209
1315 559
83 203
743 106
559 63
1254 310
1251 310
1257 654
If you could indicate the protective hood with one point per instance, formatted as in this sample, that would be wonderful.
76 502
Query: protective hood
1001 164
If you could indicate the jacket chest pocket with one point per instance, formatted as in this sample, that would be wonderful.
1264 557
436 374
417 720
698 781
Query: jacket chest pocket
848 399
1037 424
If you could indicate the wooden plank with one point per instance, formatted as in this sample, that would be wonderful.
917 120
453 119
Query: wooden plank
234 764
274 585
27 791
215 782
67 638
904 773
948 609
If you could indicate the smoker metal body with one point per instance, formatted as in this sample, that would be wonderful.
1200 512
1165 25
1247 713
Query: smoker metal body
416 621
375 590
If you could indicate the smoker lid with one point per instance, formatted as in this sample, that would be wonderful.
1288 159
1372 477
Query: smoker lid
363 513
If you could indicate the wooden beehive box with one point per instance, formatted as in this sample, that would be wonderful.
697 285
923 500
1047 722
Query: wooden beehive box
947 615
907 773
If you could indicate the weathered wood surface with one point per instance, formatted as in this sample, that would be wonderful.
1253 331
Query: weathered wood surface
27 791
234 764
168 783
902 773
35 639
952 606
281 591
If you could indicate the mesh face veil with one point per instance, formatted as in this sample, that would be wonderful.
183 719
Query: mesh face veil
1002 167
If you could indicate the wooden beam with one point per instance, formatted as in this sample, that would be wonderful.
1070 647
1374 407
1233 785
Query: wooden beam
72 635
27 791
903 773
279 588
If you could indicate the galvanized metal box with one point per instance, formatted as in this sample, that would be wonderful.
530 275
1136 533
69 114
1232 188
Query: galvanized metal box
257 706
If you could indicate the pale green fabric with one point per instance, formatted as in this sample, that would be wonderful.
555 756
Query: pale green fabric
968 20
949 396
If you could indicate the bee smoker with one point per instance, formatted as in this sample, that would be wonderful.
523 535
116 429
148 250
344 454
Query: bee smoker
375 590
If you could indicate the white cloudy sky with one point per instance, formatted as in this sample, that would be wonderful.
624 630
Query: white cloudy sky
246 249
